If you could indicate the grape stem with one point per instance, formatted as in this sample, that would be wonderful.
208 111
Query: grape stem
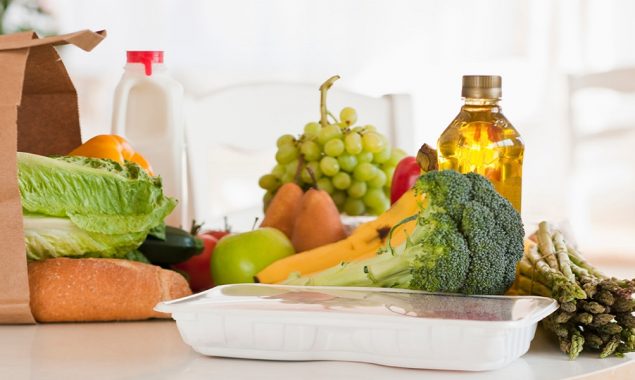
298 170
308 169
323 89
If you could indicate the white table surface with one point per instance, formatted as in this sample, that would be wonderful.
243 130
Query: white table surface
154 350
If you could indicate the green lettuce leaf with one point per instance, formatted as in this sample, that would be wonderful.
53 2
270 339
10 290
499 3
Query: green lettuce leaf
47 237
87 207
98 195
137 256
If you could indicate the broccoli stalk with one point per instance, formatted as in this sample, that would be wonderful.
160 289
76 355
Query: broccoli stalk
468 239
432 245
356 273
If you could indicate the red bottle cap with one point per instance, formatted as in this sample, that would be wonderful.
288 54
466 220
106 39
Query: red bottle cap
145 57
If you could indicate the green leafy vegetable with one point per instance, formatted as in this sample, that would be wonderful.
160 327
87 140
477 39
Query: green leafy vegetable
77 206
47 236
596 311
158 231
137 256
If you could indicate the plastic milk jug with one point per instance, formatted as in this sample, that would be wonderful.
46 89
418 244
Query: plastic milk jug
148 111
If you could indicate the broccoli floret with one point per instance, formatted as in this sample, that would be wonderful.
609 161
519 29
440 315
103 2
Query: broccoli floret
441 260
486 242
506 218
447 190
468 239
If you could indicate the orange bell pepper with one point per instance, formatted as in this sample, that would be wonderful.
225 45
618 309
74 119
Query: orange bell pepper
113 147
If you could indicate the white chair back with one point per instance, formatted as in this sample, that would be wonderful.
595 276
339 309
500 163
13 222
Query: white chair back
232 133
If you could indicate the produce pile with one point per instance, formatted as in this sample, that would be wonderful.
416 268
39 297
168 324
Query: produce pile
103 200
312 222
364 242
596 311
354 164
467 239
437 231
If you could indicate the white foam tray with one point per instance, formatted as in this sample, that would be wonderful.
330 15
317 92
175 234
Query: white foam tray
384 326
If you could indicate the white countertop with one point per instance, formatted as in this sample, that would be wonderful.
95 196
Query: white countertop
154 350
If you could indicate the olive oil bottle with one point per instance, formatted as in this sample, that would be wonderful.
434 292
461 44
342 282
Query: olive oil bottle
481 140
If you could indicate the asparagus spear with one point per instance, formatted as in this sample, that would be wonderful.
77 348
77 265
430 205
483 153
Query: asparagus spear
527 285
610 347
593 340
601 319
628 341
569 307
534 267
562 316
605 297
545 244
596 312
577 258
562 255
559 329
570 339
592 307
577 344
626 320
584 318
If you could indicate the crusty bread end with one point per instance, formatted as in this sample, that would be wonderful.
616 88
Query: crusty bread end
82 290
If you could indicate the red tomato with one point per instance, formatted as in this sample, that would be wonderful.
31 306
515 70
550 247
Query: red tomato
197 267
218 234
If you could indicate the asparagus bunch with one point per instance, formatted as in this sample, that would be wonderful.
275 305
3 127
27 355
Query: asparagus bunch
596 312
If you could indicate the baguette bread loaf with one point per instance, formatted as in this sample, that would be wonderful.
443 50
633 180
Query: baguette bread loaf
75 290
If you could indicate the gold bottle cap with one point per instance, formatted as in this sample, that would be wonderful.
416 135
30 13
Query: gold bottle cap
482 86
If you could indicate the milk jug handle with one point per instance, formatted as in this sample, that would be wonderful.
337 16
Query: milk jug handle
120 105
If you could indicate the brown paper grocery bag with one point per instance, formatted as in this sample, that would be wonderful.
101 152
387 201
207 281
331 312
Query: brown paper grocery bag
38 114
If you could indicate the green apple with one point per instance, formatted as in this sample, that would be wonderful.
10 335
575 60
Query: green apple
237 258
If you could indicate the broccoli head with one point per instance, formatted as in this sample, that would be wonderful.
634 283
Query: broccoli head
468 239
439 260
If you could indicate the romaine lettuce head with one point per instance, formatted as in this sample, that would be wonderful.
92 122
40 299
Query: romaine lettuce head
110 206
46 237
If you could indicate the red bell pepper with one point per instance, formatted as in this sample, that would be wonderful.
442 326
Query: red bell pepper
406 173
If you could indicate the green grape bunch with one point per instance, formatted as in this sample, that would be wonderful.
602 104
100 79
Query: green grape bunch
353 163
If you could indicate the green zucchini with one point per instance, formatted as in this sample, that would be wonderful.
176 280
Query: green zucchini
178 246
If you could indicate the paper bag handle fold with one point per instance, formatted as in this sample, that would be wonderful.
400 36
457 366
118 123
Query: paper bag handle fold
83 39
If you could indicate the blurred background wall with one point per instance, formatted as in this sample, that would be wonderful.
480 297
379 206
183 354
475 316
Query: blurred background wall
580 160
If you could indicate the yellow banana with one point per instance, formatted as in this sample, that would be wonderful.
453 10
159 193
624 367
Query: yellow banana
365 239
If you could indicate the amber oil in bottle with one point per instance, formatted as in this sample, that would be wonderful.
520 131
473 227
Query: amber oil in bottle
481 140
